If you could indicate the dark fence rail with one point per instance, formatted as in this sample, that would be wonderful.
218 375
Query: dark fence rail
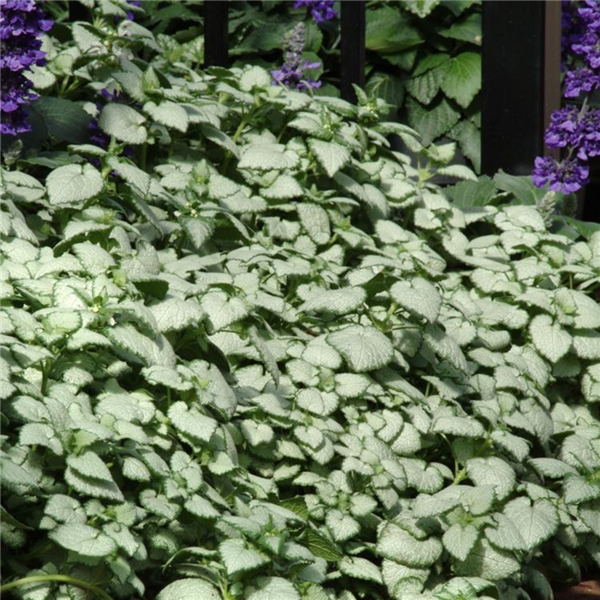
521 70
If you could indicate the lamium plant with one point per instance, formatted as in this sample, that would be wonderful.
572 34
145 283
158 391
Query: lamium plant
265 357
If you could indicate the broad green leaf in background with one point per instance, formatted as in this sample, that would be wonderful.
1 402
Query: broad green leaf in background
432 121
462 80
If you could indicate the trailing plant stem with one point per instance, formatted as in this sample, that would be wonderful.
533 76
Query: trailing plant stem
60 578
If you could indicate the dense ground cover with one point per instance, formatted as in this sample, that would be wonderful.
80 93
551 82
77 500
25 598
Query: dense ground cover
249 351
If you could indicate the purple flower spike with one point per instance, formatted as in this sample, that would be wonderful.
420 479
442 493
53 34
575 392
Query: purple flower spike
566 176
291 74
320 10
22 22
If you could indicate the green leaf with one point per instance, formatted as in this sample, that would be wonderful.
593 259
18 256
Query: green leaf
273 588
216 136
360 568
425 86
189 589
462 80
320 546
419 297
64 119
364 348
465 30
460 539
22 187
387 87
72 185
237 558
587 344
432 121
388 31
123 123
549 338
331 156
396 544
83 540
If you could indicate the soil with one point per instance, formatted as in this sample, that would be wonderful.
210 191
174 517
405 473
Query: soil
586 590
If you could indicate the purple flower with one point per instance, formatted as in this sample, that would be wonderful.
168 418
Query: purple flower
320 10
22 22
566 176
291 74
580 80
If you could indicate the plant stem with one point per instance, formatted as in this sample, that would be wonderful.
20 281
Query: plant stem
50 578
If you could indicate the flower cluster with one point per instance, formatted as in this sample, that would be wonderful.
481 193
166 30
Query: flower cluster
291 73
575 130
22 22
320 10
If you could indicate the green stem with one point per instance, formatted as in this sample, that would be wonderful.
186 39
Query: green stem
50 578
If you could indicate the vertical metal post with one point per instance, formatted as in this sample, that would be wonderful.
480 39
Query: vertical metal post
78 12
216 43
521 75
352 47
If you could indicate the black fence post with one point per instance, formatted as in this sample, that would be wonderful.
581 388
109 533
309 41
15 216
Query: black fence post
352 47
521 79
216 43
78 12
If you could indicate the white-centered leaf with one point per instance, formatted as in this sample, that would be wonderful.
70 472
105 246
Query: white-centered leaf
123 123
331 156
549 338
192 422
72 185
169 114
360 568
492 471
342 527
487 562
418 297
273 588
535 522
315 220
83 540
363 348
189 589
174 314
459 540
237 558
397 544
338 302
